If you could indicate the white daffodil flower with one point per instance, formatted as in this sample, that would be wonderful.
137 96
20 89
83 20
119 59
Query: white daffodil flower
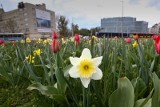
85 67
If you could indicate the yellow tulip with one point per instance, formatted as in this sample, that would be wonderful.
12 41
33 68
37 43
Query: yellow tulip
135 44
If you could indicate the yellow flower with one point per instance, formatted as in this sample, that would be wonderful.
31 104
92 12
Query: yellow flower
135 44
22 41
85 67
44 42
30 59
94 37
63 41
72 39
37 52
49 41
28 40
39 41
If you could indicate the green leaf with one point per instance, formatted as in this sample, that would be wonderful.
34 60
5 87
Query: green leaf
139 102
139 87
51 92
145 102
156 94
66 70
45 90
123 96
61 83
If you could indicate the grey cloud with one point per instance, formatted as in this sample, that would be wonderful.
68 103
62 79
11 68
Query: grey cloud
133 2
154 3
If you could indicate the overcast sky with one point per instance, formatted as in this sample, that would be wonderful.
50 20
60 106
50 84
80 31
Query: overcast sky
88 13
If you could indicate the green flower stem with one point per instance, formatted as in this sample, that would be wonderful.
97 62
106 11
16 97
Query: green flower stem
84 97
88 96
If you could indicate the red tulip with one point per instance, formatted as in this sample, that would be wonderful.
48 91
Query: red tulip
157 45
77 39
136 37
14 43
4 44
55 46
54 36
1 42
128 40
154 37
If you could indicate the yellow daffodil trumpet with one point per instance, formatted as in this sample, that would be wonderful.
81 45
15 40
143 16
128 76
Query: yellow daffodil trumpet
86 67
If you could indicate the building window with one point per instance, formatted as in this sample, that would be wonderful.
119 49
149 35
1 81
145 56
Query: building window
25 14
27 29
25 19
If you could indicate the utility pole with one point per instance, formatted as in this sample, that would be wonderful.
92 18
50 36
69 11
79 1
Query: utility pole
122 21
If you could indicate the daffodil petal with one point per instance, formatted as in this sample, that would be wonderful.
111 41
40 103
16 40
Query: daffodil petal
97 60
97 75
85 82
73 72
86 53
74 61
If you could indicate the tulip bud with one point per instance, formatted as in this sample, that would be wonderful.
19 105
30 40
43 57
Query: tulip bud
128 40
154 37
157 45
77 39
136 37
134 44
54 36
1 41
55 46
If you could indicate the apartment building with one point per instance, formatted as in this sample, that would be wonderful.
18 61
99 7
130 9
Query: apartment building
155 29
34 20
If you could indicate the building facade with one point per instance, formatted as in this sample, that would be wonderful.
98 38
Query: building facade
155 29
123 24
33 20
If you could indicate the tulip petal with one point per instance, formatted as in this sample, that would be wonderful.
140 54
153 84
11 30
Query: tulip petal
74 61
85 82
97 60
73 72
97 75
86 53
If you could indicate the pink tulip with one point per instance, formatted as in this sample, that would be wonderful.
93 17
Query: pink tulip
154 37
128 40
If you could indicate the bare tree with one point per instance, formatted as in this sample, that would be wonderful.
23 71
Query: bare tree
11 26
